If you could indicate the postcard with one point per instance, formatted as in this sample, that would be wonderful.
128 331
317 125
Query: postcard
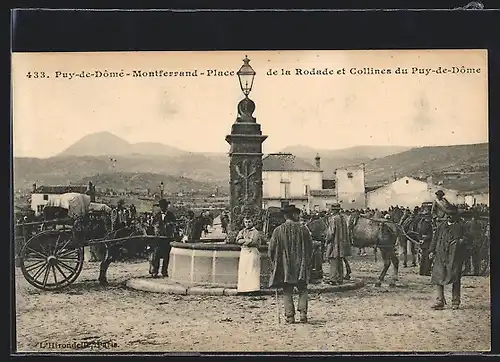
251 201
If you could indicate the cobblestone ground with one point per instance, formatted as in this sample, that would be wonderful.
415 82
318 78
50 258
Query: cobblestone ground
368 319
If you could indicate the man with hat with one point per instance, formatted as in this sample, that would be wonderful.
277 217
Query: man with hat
475 238
440 207
164 222
290 254
338 247
448 249
424 230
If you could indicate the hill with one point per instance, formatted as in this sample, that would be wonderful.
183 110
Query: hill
333 159
108 144
471 162
146 180
64 169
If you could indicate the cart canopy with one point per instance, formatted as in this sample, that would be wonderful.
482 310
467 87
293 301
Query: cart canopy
94 206
76 204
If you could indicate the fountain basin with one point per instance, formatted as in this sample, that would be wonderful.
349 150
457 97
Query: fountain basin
210 263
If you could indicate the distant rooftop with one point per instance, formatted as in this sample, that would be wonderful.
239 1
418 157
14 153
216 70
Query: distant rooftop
286 162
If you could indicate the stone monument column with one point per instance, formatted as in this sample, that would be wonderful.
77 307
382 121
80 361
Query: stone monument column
245 168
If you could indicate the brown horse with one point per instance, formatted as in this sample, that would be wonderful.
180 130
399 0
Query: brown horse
365 232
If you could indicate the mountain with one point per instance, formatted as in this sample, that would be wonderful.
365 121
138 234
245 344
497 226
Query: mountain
108 144
471 162
146 180
64 169
333 159
106 154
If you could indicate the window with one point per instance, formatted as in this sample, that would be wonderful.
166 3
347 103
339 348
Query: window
306 190
39 208
45 197
353 201
407 182
285 190
349 175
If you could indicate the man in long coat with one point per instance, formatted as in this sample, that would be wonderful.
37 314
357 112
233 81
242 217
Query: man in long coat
338 246
164 222
424 229
441 207
290 254
448 249
475 236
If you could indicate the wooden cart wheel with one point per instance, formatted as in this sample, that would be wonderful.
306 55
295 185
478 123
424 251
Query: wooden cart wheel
51 261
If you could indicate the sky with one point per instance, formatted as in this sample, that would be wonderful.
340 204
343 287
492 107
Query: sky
195 113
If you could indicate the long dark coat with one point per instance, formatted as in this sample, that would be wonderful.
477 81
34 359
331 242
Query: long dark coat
337 237
290 254
449 247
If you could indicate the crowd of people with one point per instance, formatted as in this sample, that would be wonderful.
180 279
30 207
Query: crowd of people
452 238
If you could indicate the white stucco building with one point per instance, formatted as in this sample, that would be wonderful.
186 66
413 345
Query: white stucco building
408 192
350 187
41 195
288 179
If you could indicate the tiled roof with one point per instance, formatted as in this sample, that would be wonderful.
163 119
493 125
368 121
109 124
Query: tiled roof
286 162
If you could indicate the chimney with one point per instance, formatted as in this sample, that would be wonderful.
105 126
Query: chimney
34 188
318 160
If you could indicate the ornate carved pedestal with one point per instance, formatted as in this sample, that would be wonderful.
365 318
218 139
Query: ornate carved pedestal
245 168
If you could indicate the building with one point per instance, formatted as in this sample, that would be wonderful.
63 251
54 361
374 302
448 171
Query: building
288 179
474 198
350 187
41 195
408 192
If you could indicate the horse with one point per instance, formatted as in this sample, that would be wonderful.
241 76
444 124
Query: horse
409 225
130 245
379 233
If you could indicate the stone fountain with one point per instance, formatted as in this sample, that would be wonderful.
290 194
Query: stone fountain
214 263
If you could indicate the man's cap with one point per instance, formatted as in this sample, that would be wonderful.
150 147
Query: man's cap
439 193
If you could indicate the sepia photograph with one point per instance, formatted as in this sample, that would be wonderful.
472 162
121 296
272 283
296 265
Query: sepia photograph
251 201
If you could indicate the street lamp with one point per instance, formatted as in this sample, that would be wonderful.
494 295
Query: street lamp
246 74
162 187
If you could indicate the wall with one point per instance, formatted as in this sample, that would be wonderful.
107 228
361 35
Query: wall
37 199
351 190
323 202
452 196
483 198
407 192
271 182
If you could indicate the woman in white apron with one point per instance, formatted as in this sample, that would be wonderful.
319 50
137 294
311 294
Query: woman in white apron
249 264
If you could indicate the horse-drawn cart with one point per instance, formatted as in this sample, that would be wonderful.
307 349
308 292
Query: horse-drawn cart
53 258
